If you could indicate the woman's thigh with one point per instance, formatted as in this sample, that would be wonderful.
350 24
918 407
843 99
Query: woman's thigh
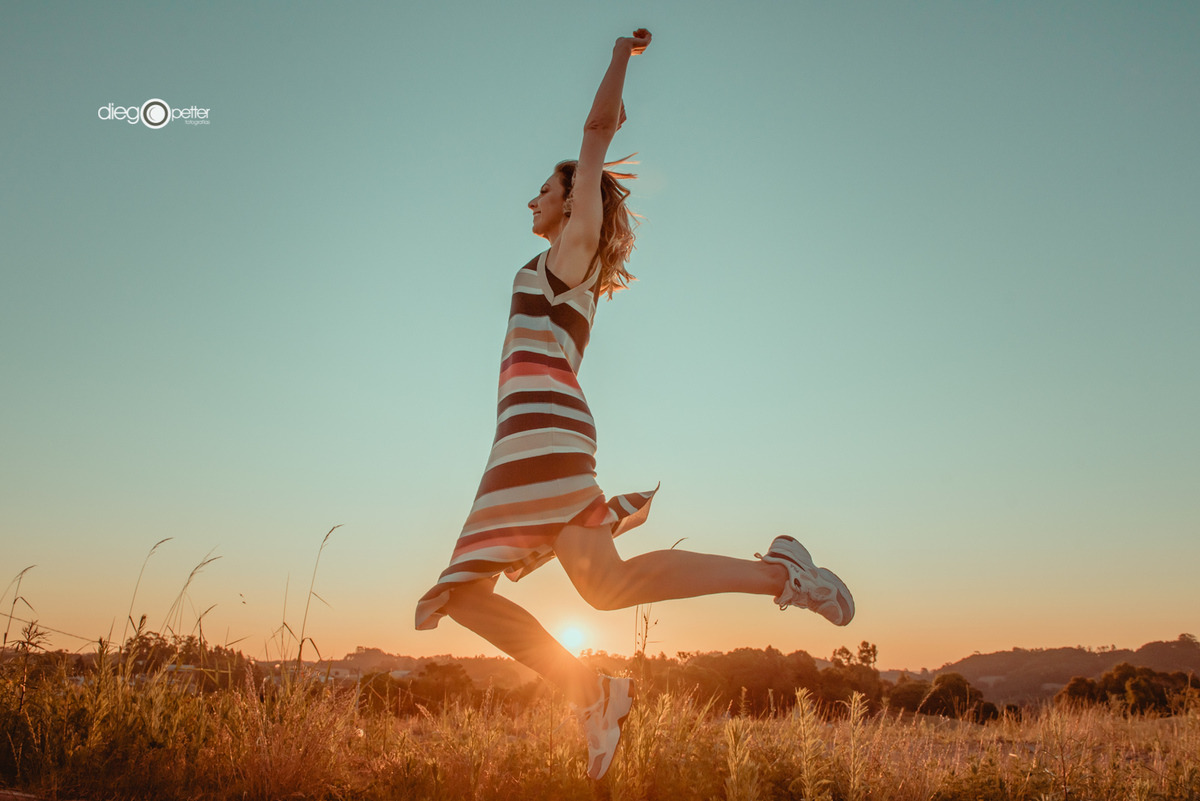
471 592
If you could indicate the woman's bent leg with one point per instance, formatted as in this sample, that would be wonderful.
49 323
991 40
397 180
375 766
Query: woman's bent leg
518 634
607 581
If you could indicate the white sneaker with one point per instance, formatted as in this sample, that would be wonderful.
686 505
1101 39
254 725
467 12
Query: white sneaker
602 722
809 586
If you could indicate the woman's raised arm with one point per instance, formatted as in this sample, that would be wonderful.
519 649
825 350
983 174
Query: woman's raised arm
581 235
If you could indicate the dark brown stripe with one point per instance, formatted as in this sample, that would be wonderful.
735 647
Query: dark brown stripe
536 469
528 357
574 324
541 396
540 420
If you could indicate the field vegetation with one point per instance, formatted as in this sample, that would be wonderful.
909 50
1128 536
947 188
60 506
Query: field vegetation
132 727
165 716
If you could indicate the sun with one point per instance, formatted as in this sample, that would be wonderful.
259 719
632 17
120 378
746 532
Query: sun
572 638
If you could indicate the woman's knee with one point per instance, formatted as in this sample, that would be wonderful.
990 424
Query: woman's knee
601 585
603 596
592 564
596 590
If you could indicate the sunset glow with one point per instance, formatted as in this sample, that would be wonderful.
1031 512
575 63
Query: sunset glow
916 285
573 638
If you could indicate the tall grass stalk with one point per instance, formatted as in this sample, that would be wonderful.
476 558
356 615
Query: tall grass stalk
15 585
856 751
667 751
137 585
175 613
811 762
308 599
742 783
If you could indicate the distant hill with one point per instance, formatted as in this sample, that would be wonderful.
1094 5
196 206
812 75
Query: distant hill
1022 676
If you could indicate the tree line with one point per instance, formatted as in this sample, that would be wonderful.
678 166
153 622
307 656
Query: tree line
1136 690
745 681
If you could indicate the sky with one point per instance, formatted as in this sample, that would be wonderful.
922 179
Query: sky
918 284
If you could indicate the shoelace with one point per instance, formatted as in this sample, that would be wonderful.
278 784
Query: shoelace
801 597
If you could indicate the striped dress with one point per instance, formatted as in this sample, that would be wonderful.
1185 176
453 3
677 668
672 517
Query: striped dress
541 474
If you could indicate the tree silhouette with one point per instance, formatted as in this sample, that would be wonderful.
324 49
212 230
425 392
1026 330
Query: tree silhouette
867 654
748 680
437 684
953 696
842 657
1079 691
1143 694
851 673
1137 690
908 694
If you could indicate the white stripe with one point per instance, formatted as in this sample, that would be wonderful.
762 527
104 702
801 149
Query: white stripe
545 408
458 578
543 490
523 345
497 553
533 383
528 444
541 519
562 441
532 323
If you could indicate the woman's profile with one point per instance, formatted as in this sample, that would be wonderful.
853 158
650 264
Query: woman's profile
539 499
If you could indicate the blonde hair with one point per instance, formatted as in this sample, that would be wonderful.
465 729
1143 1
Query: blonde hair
616 227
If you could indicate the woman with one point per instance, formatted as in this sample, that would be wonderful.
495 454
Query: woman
539 498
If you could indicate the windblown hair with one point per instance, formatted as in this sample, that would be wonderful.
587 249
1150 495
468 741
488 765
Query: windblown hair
616 228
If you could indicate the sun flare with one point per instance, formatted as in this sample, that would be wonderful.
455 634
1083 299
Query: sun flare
572 637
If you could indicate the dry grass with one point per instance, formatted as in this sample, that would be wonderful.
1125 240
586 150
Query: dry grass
115 738
120 734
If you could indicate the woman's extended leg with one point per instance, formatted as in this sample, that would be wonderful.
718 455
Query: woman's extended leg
602 703
607 581
517 633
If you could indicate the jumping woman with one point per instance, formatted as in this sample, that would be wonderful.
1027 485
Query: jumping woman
539 498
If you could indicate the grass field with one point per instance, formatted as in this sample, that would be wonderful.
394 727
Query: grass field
117 735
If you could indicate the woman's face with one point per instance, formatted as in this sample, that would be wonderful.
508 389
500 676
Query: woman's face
547 207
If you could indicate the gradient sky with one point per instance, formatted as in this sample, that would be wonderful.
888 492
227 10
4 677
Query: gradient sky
918 284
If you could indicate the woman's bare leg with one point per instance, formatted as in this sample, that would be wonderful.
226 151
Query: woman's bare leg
607 581
518 634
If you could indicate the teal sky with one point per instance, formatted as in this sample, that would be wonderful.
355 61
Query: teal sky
918 284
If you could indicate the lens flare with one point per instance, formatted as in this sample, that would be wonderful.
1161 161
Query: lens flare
572 638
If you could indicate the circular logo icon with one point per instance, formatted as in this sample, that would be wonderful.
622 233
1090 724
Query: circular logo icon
155 113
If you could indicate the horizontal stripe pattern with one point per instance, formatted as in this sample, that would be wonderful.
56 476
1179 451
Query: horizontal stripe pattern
541 473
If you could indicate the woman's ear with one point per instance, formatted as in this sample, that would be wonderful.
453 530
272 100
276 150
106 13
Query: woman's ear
567 205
